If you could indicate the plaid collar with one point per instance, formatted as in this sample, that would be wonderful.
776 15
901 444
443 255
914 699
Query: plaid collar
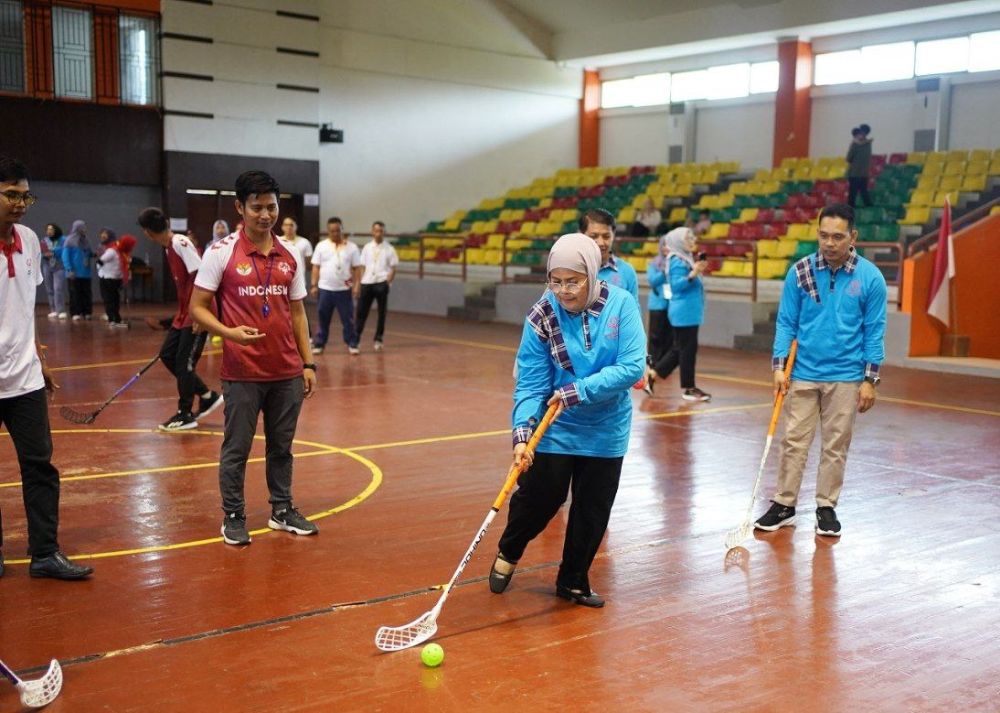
850 264
601 302
612 262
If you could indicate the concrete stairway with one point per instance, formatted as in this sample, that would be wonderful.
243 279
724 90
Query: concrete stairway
762 338
478 308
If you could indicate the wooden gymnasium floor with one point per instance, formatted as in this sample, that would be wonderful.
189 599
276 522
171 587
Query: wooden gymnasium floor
400 457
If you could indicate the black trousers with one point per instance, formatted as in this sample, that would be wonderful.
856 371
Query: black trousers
27 420
81 301
111 293
180 353
855 185
683 352
378 293
661 334
542 490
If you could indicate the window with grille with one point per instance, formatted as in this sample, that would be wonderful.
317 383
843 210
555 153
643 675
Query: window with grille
11 46
138 53
73 52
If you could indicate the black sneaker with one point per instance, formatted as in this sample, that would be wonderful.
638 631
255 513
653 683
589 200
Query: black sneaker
234 529
208 404
777 516
180 421
290 520
827 522
696 394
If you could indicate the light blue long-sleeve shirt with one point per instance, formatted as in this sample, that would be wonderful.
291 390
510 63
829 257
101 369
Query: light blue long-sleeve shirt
656 278
842 335
687 300
594 369
620 274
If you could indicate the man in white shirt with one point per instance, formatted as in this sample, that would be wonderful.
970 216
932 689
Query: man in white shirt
289 230
24 379
379 260
336 276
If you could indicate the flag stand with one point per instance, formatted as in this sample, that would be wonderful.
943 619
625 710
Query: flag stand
952 343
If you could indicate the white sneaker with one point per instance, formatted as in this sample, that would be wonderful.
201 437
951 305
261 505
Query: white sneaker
63 315
378 346
104 318
53 315
77 317
317 350
353 351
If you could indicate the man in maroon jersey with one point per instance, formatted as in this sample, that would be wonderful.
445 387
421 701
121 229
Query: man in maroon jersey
184 343
260 281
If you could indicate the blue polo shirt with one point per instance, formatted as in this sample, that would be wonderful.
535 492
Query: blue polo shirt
656 278
620 274
687 301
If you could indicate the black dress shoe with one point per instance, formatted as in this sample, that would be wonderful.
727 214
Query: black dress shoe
57 566
499 580
587 599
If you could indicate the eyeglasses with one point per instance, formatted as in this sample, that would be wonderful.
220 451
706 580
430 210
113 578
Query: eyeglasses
570 287
13 197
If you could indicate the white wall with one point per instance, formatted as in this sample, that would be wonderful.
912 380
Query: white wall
739 132
634 139
974 122
889 113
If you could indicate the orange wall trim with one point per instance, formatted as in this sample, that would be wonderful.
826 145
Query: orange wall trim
792 104
976 292
590 120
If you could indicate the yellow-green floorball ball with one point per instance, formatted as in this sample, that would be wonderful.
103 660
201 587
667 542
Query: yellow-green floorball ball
432 655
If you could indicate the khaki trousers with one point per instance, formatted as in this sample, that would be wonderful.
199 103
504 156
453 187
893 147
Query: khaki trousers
834 405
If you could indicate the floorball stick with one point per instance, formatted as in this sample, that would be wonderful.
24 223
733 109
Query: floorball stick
81 417
39 692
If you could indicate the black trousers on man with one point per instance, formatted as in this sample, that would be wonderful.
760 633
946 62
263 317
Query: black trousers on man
684 353
378 293
180 353
81 301
542 490
111 294
27 420
855 185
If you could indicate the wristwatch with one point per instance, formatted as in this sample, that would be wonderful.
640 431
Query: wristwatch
873 380
309 366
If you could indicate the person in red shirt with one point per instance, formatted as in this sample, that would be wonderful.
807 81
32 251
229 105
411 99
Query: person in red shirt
259 279
183 344
24 379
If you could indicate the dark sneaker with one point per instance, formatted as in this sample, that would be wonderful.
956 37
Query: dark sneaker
208 404
290 520
234 529
58 566
179 422
696 395
777 516
827 522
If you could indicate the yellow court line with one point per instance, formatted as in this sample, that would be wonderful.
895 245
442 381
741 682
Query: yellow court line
460 342
102 364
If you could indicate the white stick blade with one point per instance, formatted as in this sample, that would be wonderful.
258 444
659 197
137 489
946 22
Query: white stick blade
42 691
734 538
397 638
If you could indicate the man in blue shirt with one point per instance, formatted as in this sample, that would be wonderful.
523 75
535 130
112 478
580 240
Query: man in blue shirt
599 225
834 303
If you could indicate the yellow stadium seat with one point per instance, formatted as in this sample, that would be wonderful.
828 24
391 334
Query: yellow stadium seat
766 248
639 200
451 224
978 167
937 157
729 268
949 183
974 183
916 215
545 203
717 231
920 198
678 215
940 196
995 210
748 215
916 157
979 155
495 241
928 182
725 200
569 214
528 227
787 248
957 155
490 226
799 231
954 168
995 167
935 168
627 215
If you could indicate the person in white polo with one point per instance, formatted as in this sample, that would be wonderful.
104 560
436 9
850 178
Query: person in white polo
24 379
379 260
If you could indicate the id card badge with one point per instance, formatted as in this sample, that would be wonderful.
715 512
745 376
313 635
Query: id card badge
667 294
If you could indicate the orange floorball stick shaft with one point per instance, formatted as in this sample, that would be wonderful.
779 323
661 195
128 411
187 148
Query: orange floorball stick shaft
516 470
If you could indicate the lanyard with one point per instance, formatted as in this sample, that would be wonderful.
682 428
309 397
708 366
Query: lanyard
266 308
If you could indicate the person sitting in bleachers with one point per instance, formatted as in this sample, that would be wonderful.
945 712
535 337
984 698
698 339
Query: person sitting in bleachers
647 220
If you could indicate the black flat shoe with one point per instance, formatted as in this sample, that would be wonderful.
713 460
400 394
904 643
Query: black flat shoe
1 564
499 580
587 599
57 566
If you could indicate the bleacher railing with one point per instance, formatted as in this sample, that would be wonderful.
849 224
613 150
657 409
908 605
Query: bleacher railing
926 242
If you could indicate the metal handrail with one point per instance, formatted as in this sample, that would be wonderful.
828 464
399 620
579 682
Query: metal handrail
925 242
900 249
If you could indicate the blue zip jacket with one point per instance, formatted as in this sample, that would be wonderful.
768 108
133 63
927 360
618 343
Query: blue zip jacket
620 274
594 358
687 301
656 278
838 318
77 260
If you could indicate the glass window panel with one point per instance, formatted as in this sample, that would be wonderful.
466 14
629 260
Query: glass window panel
139 59
942 56
728 81
651 89
984 51
686 86
882 63
616 93
763 77
11 46
72 52
837 67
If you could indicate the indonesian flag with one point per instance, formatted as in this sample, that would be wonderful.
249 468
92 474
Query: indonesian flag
939 303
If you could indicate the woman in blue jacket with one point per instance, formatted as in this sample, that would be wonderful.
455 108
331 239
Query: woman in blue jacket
77 256
687 311
661 334
583 345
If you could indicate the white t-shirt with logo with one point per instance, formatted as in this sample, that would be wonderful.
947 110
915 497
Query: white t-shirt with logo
20 367
379 260
336 263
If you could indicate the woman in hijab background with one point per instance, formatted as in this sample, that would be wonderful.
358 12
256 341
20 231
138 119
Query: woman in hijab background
220 230
661 334
53 272
686 313
77 255
583 347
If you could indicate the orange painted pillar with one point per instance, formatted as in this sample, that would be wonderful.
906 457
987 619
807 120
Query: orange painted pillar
793 105
590 120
